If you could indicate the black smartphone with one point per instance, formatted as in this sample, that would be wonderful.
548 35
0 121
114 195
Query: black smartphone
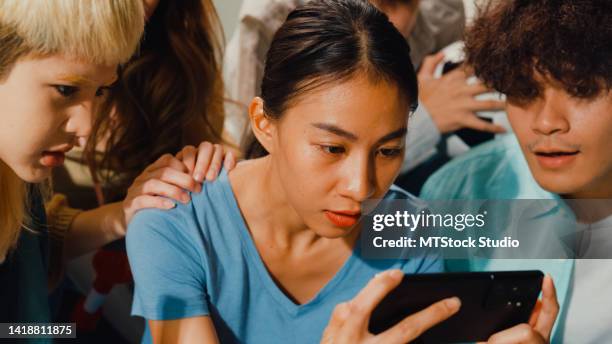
490 302
474 137
449 66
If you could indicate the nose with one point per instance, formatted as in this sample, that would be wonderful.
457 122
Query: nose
550 114
81 118
358 178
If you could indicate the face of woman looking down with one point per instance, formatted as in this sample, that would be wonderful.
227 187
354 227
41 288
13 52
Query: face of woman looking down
334 148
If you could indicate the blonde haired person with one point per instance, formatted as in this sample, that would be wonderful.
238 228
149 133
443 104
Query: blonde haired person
57 58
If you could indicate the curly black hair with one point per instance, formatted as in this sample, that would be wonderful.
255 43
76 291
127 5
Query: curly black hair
514 45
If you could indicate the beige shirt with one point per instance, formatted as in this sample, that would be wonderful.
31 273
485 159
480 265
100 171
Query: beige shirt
440 22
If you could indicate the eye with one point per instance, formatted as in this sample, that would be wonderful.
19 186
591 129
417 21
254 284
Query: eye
390 152
102 91
332 149
65 90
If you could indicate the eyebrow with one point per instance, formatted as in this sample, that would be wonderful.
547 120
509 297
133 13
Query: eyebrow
348 135
78 79
399 133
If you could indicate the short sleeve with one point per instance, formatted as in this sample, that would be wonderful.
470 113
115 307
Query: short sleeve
167 266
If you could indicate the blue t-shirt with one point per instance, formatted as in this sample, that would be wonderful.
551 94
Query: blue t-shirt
199 259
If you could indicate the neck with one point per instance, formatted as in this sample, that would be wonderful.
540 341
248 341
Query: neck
592 204
590 210
265 207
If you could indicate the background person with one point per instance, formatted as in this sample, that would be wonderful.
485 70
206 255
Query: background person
560 106
54 74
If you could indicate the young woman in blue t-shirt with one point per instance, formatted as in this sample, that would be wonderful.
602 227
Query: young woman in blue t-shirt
266 253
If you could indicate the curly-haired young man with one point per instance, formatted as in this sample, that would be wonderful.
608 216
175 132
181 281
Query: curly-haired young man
553 60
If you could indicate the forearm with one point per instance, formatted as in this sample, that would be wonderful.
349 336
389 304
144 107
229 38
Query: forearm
93 229
186 330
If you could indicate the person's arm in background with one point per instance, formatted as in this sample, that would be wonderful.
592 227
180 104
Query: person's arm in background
244 57
242 70
161 184
450 100
447 103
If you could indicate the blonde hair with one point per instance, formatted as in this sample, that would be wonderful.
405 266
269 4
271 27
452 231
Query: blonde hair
100 32
12 208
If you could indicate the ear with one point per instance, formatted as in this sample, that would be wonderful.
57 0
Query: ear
263 127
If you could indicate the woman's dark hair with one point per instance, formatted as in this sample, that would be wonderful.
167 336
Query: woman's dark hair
393 3
328 42
568 42
172 84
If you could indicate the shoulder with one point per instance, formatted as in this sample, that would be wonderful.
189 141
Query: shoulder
186 225
165 246
159 221
168 262
487 171
494 153
397 193
161 233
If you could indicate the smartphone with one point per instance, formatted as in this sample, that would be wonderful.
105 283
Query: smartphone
474 137
490 302
449 66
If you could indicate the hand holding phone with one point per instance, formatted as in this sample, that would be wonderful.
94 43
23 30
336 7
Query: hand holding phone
496 306
541 322
349 321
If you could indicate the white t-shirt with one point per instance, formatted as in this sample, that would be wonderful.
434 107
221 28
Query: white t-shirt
589 312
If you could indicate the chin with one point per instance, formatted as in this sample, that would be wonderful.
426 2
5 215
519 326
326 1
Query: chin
332 232
561 185
34 174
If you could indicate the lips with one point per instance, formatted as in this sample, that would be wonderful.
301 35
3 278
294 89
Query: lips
343 218
52 159
56 157
551 159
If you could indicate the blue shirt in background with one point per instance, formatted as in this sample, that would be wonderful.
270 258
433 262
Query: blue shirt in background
199 259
